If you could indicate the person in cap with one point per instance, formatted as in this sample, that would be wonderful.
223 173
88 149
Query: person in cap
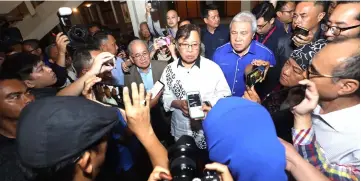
251 149
65 138
293 71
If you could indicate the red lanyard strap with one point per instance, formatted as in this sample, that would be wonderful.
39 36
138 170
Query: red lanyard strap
269 34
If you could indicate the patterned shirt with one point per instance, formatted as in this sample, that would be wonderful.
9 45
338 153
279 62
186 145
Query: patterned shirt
206 77
307 146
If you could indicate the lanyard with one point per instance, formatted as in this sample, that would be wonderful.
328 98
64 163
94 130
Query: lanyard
269 34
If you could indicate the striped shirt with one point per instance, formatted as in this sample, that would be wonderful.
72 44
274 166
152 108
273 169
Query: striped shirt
308 147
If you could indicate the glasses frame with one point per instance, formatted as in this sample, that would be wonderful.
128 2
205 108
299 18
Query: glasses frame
143 55
326 27
189 45
262 26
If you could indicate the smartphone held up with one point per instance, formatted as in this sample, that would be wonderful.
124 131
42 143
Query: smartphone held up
195 105
255 76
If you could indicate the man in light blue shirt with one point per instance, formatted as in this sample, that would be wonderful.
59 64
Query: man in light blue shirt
107 43
117 73
147 78
234 56
148 72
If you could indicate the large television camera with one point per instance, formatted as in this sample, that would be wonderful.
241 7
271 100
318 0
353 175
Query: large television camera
183 157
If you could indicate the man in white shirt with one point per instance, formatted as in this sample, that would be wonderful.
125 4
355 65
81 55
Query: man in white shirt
331 142
191 72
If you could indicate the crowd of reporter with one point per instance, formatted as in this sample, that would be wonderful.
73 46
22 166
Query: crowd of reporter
85 111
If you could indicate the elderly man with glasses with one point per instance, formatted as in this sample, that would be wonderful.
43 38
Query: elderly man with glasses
148 72
328 137
191 72
344 21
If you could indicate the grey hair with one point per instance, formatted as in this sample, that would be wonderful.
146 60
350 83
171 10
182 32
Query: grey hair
349 69
133 42
48 48
245 16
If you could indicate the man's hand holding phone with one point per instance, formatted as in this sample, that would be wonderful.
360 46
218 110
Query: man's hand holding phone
302 36
263 63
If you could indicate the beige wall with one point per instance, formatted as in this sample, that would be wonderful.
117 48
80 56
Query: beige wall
44 20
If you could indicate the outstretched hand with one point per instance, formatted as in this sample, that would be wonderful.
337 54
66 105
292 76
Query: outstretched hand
138 111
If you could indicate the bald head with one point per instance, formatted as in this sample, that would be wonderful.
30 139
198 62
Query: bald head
172 19
336 69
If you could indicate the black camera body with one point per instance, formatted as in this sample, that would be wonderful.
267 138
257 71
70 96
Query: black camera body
183 158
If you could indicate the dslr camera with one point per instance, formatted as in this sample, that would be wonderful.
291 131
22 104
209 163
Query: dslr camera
183 162
77 34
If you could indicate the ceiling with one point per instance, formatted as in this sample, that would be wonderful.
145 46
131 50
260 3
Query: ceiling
7 6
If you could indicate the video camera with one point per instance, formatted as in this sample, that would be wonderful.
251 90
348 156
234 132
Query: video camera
183 156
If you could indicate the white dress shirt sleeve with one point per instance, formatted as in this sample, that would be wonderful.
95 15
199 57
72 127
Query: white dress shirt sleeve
222 89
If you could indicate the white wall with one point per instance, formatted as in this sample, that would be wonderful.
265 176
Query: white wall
44 20
137 13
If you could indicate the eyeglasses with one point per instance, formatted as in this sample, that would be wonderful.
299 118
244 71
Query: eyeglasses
185 46
297 70
140 55
31 51
313 71
289 11
262 26
336 30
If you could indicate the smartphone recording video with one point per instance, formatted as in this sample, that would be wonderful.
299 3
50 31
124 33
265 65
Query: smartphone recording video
109 94
255 76
195 105
287 98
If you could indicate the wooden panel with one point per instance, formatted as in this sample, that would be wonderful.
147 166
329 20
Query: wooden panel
193 9
181 9
254 4
233 8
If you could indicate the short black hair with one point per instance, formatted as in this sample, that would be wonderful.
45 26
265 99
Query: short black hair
82 57
185 31
208 8
19 65
264 10
280 5
99 37
323 4
350 2
33 43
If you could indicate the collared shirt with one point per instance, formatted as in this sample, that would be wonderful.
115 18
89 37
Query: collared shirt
233 65
204 76
271 40
147 78
117 72
308 147
281 26
338 134
215 40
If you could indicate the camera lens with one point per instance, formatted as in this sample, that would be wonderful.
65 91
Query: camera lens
183 169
